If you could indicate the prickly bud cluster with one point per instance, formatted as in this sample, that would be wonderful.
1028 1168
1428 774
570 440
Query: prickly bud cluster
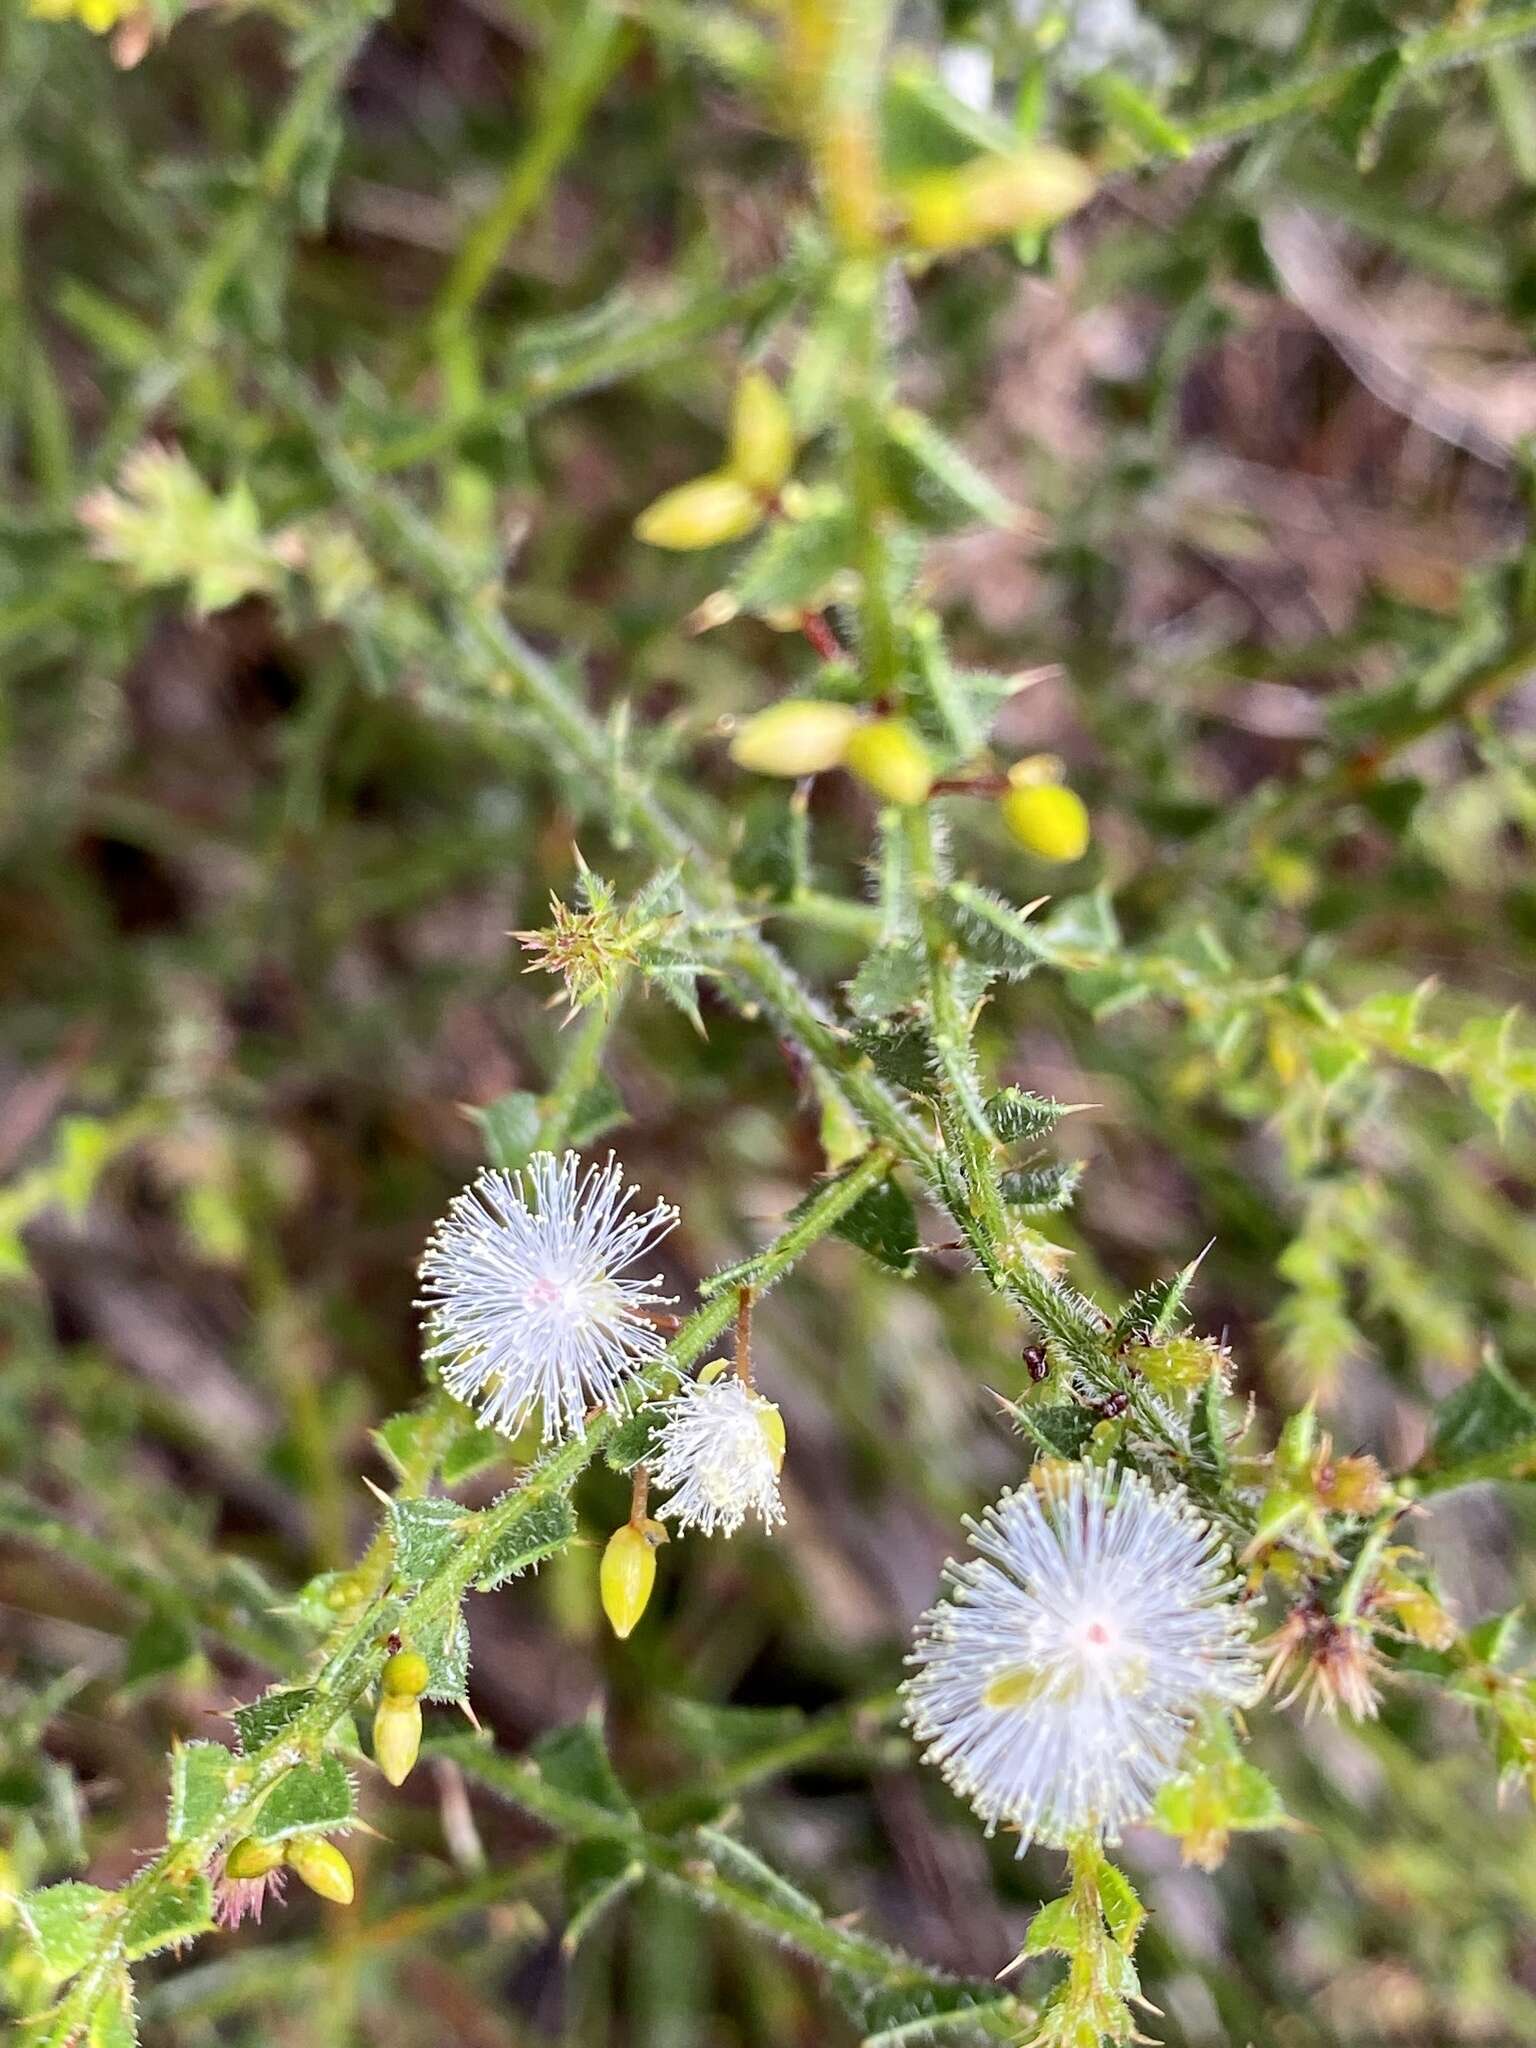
1308 1483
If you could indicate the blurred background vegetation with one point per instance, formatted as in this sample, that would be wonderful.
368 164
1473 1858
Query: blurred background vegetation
430 303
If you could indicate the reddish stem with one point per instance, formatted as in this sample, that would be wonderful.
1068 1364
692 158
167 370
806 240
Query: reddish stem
821 636
744 1336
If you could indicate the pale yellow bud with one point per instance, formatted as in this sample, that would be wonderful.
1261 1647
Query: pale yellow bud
250 1858
405 1675
771 1423
628 1573
702 514
801 736
320 1865
1036 768
995 195
397 1736
888 755
1048 820
762 435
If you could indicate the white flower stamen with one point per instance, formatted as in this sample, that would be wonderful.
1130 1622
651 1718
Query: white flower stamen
526 1298
1058 1685
718 1453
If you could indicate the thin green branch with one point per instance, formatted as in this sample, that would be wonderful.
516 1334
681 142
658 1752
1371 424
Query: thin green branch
579 1073
1431 50
586 54
716 1871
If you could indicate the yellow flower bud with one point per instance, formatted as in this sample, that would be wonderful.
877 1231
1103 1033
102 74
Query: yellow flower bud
702 514
397 1736
1052 1478
320 1865
1048 820
995 195
1349 1486
346 1590
1419 1612
801 736
762 435
888 755
250 1858
771 1423
628 1573
405 1675
1033 768
99 16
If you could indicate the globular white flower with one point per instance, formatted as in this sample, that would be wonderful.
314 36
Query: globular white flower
527 1299
1057 1687
718 1453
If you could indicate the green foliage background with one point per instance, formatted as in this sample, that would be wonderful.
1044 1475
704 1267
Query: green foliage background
429 304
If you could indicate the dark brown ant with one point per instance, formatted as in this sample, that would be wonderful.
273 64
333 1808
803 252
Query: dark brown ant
1036 1363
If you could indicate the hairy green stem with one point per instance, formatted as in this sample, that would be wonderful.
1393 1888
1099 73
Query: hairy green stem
578 1074
354 1657
716 1871
586 53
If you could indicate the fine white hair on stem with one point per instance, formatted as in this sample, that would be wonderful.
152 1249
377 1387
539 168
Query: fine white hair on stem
527 1297
1057 1686
718 1453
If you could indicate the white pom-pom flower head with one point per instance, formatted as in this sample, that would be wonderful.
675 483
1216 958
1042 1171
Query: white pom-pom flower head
1057 1687
718 1452
529 1298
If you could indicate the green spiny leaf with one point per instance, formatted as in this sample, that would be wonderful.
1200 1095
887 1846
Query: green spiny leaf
426 1533
795 563
114 2018
545 1528
445 1645
991 930
311 1799
631 1442
65 1922
267 1717
889 979
597 1873
168 1915
883 1223
199 1782
1042 1189
575 1761
1017 1116
1486 1429
936 483
903 1055
510 1128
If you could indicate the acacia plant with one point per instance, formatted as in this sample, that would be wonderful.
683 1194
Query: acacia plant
815 862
